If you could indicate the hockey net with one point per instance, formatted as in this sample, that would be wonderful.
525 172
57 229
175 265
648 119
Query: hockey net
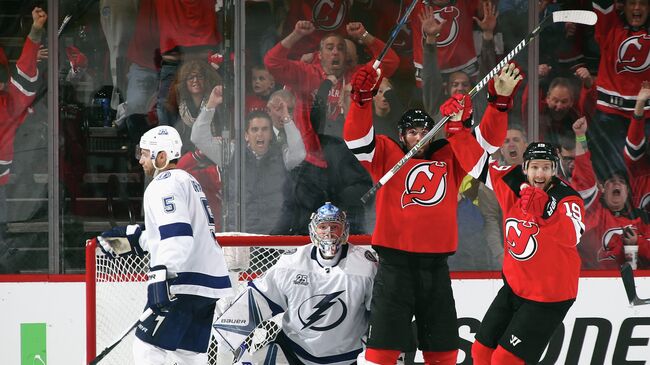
116 288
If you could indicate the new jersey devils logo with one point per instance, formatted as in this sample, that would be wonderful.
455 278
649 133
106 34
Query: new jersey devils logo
634 54
609 234
328 15
425 184
521 242
645 200
449 31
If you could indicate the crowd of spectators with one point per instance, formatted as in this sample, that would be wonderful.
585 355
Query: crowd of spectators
167 63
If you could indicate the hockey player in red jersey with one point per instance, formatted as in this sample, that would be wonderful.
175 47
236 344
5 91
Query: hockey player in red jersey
420 200
542 225
611 220
636 155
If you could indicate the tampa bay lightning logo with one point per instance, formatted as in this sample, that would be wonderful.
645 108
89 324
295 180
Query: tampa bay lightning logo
323 312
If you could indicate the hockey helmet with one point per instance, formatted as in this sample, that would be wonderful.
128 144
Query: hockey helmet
327 241
414 118
162 138
541 151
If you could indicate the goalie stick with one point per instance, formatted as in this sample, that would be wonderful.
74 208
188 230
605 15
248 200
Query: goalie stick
110 348
573 16
630 286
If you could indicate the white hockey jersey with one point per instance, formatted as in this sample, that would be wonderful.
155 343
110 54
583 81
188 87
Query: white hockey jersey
326 308
179 233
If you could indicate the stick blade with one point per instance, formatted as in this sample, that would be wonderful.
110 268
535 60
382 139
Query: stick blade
628 282
575 16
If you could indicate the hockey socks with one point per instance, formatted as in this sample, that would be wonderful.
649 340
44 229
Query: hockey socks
440 357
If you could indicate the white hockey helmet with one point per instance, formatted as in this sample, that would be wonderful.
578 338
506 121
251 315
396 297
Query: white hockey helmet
162 138
329 242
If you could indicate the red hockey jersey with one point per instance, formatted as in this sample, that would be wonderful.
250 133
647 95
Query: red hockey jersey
638 163
187 23
602 244
541 260
416 209
624 62
455 43
15 101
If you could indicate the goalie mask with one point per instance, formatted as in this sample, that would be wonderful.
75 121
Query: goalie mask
329 230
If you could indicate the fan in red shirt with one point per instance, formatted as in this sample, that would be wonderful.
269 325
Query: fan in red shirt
304 79
17 92
414 213
624 42
612 222
636 156
455 41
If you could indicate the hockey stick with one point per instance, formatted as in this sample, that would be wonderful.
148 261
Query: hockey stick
630 287
65 22
573 16
394 33
110 348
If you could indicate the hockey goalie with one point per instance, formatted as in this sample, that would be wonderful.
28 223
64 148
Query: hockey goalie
312 307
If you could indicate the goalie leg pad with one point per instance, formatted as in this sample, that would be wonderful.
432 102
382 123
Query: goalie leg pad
248 310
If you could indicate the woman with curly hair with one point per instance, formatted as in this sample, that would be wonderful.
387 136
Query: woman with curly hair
188 95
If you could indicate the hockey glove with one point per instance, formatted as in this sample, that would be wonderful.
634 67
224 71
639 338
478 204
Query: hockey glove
532 201
159 299
121 240
365 83
502 88
77 59
459 108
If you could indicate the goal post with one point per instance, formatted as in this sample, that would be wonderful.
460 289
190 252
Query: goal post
116 289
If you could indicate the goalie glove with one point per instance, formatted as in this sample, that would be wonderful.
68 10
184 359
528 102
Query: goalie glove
159 298
502 88
459 109
365 83
532 200
121 240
